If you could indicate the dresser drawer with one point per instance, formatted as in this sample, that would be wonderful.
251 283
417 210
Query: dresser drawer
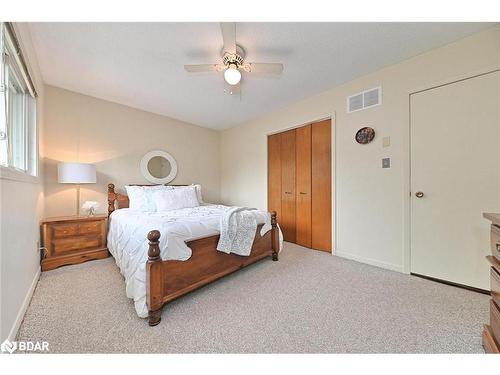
67 245
495 285
495 320
489 343
64 230
495 241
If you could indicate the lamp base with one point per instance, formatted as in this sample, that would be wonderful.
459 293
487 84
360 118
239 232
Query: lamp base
78 200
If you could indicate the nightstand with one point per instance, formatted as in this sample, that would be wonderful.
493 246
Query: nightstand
73 239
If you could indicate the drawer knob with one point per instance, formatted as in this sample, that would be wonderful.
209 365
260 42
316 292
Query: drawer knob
498 247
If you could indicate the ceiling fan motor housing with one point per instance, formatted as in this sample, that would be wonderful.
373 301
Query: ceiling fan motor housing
234 58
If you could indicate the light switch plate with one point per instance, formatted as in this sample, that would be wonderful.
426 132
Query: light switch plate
386 141
386 162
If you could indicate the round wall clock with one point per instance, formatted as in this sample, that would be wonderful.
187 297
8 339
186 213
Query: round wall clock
365 135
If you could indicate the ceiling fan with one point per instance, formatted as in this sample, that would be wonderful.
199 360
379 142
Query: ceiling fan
233 62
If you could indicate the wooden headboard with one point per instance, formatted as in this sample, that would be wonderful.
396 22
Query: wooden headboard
117 200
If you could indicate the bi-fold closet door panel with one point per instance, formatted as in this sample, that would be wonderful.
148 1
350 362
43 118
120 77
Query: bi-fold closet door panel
321 185
288 204
274 174
303 186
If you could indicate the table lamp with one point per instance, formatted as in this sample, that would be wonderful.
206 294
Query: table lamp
76 173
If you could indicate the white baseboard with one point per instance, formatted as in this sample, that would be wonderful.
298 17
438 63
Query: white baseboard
372 262
24 307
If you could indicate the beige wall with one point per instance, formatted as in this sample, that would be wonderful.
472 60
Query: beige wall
371 203
115 137
21 207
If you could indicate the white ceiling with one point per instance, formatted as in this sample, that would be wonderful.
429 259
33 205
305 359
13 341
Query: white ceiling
141 64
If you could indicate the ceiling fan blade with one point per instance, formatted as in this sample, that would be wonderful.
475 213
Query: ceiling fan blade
232 89
202 68
266 68
228 30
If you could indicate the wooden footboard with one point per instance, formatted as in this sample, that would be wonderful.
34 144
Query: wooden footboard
167 280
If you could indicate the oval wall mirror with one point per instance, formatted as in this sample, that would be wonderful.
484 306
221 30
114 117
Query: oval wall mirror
158 167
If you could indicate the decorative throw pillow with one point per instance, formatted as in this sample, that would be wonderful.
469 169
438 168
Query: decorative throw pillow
175 199
141 197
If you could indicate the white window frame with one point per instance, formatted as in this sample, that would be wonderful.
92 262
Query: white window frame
29 171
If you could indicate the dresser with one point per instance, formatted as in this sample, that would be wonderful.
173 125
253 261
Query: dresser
491 332
73 239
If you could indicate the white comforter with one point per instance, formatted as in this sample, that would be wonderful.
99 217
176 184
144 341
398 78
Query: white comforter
128 244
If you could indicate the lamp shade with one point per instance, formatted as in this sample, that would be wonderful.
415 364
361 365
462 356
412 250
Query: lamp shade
76 173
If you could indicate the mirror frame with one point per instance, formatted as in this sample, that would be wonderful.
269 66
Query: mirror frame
148 176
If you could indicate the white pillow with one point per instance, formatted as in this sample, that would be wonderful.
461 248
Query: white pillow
141 197
175 199
198 193
197 189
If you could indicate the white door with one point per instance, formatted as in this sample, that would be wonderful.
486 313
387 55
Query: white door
455 163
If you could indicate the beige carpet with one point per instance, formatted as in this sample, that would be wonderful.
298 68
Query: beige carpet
309 301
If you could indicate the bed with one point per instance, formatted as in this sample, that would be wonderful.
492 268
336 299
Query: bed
178 259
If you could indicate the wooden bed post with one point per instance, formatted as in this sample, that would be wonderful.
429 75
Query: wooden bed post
275 236
111 198
154 279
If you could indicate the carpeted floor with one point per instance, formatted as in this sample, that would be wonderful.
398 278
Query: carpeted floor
309 301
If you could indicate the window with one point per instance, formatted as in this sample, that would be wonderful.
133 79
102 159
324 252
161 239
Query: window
18 130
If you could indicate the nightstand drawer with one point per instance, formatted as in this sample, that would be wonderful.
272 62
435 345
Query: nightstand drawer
90 228
66 245
64 230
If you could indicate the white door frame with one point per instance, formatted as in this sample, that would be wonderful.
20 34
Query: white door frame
407 162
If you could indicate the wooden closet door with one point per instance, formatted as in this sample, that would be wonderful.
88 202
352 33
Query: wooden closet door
274 174
303 186
321 158
287 221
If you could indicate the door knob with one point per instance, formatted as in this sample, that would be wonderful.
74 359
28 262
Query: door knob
419 194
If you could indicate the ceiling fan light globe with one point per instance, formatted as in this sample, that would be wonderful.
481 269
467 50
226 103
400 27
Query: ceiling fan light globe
232 76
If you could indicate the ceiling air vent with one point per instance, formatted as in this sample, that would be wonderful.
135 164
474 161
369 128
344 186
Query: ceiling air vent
366 99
